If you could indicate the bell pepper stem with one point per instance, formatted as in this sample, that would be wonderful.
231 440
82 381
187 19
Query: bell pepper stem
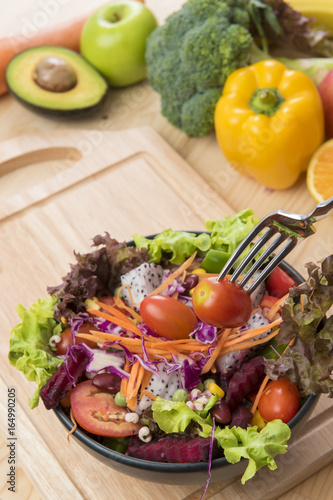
266 101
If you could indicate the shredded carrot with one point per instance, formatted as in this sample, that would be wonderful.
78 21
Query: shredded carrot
131 403
217 350
149 394
264 383
275 308
132 380
138 382
145 381
174 275
128 325
113 311
120 303
248 334
259 394
73 429
250 343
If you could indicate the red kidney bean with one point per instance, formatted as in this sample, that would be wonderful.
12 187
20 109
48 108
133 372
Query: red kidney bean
190 281
107 381
221 412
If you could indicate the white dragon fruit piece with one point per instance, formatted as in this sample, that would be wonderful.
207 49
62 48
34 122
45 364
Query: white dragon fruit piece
258 293
227 364
142 281
163 385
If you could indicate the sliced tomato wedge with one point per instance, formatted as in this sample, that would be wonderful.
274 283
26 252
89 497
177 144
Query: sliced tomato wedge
268 301
279 282
96 411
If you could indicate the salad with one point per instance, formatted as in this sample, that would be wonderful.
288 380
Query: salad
134 346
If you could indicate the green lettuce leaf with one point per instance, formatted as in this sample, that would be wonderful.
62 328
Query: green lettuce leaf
227 234
174 416
178 244
309 361
29 344
259 448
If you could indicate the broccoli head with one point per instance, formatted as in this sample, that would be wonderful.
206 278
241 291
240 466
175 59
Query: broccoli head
192 54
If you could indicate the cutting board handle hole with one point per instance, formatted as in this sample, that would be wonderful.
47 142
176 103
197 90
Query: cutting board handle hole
59 157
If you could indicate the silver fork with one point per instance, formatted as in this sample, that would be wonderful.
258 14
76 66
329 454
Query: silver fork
287 226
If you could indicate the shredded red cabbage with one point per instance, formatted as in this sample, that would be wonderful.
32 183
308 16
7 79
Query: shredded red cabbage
204 333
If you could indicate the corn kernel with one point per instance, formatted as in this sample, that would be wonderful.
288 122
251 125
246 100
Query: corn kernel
198 271
258 420
215 389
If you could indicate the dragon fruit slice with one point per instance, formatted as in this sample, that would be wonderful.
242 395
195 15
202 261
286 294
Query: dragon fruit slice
228 364
163 385
259 292
142 281
173 449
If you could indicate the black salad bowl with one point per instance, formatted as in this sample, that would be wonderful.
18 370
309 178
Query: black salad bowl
178 473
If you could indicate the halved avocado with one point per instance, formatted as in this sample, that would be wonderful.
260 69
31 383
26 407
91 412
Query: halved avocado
57 81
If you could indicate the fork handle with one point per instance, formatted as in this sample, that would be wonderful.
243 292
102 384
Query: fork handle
323 209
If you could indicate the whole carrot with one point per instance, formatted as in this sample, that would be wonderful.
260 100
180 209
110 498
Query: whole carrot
65 35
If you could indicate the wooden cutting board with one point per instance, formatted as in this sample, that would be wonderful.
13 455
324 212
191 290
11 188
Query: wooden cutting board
121 182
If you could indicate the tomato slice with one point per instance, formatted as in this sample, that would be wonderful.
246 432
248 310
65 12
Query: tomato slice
278 283
66 338
96 411
168 317
268 301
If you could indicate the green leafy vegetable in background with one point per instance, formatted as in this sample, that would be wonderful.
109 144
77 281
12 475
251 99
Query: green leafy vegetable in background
191 55
30 351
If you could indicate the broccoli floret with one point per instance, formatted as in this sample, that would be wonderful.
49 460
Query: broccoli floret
191 55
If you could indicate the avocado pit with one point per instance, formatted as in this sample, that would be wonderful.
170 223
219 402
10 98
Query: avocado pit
55 75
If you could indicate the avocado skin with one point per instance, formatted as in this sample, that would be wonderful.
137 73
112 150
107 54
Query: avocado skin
75 113
61 113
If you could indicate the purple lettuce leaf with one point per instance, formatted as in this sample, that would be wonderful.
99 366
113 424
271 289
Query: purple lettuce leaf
95 274
308 362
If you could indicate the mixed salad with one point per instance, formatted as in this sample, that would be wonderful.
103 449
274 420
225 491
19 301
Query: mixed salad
133 344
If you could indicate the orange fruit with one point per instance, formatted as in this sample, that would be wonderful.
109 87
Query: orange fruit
319 177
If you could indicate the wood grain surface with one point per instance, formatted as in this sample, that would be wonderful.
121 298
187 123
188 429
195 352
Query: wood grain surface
56 192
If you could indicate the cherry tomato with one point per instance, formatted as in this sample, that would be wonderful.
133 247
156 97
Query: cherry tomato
96 411
66 339
167 316
280 399
278 283
221 303
268 301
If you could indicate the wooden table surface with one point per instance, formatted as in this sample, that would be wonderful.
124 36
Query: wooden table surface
134 107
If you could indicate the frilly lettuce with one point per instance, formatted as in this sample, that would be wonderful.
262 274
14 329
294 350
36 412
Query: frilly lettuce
179 244
259 448
29 344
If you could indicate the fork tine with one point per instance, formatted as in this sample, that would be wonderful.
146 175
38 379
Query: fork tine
263 257
254 250
273 264
245 243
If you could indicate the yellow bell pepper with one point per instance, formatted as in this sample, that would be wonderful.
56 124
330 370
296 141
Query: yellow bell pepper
269 121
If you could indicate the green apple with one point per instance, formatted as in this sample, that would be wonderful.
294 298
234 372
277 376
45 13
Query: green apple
113 40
